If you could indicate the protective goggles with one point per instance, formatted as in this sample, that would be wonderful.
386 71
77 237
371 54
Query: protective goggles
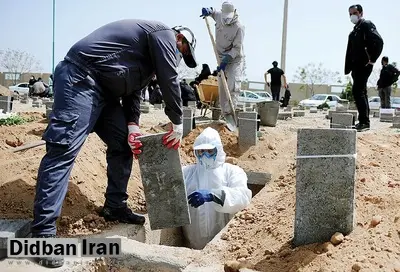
209 153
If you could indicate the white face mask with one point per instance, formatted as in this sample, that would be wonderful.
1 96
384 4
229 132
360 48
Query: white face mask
207 163
354 19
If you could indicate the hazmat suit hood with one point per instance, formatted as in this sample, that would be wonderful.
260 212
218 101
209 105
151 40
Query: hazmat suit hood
210 139
229 15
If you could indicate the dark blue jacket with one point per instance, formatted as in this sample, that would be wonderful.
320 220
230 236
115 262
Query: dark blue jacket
123 56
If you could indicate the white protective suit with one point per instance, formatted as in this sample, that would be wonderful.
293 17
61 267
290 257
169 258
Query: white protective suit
222 179
229 40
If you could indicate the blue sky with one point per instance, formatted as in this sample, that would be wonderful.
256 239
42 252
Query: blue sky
317 30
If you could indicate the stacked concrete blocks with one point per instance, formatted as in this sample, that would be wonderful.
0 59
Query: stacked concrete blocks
163 184
187 121
342 120
325 182
247 129
386 115
299 113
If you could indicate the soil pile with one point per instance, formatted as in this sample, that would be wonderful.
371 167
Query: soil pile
5 91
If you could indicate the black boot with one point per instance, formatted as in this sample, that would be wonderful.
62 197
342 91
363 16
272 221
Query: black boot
362 127
49 262
123 215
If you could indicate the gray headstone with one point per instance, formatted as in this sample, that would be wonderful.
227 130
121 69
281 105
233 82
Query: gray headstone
324 202
313 110
298 113
247 129
342 120
163 184
215 114
187 121
354 112
284 115
192 104
12 228
158 106
396 122
5 103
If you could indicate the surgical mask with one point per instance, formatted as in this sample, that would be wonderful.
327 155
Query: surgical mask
354 19
178 56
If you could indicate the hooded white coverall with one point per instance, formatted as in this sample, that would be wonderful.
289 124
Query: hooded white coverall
221 179
229 41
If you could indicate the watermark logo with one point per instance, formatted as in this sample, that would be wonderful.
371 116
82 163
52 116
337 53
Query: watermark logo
63 247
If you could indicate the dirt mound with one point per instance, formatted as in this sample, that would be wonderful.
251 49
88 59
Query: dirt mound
5 91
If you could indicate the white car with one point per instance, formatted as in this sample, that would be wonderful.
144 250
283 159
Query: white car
21 88
319 99
252 97
264 94
395 103
374 103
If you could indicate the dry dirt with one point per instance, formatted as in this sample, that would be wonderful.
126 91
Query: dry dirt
4 91
260 235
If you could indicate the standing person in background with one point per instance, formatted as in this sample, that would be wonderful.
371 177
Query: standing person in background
389 75
277 75
229 35
364 47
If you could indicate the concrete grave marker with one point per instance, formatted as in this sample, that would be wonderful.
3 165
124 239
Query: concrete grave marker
342 120
247 129
12 228
299 113
5 103
192 104
187 121
215 114
284 115
313 110
158 106
396 122
163 184
325 181
386 115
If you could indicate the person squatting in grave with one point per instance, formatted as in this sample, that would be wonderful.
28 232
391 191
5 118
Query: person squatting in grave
216 190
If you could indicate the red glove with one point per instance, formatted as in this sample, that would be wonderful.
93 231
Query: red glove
133 133
173 138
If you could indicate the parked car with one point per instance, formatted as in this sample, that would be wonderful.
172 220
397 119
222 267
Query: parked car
264 94
374 103
251 97
21 88
319 99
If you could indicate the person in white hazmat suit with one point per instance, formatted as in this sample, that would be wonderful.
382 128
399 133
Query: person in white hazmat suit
229 35
216 190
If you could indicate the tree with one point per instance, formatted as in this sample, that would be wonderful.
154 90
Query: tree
18 62
185 72
313 76
347 93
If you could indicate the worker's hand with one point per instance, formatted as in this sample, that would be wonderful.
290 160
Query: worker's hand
206 12
135 144
174 137
224 62
199 197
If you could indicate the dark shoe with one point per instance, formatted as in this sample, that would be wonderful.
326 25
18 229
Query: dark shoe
123 215
49 262
361 127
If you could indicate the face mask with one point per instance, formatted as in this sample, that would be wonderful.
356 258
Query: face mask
354 19
207 160
178 56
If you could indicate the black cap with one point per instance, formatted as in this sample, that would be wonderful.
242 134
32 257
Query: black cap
190 60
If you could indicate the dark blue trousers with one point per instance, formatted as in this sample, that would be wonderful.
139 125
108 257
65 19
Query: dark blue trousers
80 107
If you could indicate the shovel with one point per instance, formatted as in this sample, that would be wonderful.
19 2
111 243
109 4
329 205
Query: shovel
229 118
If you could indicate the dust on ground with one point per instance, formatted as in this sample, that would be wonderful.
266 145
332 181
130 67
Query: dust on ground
260 235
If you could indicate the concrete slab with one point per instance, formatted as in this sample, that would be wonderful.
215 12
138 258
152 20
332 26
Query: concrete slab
247 129
258 178
313 110
298 113
12 228
324 203
342 120
163 184
284 115
396 122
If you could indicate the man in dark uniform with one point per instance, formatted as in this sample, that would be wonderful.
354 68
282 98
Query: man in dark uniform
363 49
114 62
276 80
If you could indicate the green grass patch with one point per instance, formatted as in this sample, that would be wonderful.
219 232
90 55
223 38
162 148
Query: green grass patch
15 120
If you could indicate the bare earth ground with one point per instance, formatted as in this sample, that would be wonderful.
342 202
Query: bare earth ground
261 234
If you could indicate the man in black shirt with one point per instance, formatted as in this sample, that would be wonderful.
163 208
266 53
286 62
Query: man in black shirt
389 75
363 49
276 82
